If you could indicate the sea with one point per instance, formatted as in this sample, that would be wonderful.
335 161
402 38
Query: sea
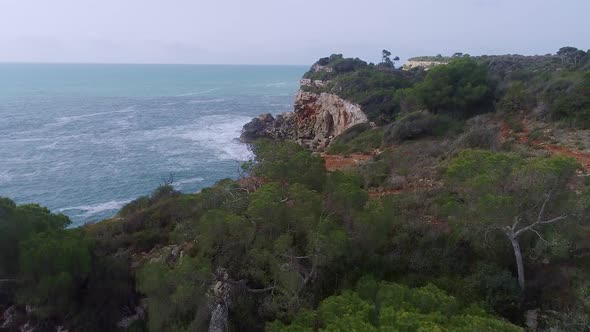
85 139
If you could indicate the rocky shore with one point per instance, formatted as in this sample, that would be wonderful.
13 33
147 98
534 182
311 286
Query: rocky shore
316 120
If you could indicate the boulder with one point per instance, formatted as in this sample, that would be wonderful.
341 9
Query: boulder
257 128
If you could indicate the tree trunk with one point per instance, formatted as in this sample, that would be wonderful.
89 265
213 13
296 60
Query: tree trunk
518 256
219 318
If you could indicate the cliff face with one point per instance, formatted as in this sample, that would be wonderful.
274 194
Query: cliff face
321 117
315 121
422 63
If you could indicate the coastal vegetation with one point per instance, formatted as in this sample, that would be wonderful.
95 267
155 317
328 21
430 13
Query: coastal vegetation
455 220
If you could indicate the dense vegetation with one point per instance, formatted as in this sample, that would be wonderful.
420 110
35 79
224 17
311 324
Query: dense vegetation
491 230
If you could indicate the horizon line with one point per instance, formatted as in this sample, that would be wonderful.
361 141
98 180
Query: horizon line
140 63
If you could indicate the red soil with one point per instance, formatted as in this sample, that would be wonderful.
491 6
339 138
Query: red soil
338 162
581 157
523 137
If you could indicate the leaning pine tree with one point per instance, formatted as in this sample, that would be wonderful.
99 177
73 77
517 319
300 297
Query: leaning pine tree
504 194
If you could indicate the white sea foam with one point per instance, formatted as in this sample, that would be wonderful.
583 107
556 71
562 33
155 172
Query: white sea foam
51 146
4 177
179 183
32 139
67 119
276 85
216 133
196 92
220 133
206 101
89 210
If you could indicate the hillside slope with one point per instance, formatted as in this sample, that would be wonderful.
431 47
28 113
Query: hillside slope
455 198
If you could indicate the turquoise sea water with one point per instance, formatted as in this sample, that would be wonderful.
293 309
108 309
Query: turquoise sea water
86 139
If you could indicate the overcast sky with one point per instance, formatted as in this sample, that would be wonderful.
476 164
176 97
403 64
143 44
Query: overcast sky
282 31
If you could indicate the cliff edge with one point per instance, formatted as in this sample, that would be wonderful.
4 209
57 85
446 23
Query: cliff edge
318 117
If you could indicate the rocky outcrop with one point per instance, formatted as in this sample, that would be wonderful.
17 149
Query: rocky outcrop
315 121
313 83
321 117
267 126
426 64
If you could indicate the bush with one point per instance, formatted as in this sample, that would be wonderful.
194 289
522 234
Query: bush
461 87
573 106
395 307
420 124
515 99
481 133
357 140
288 162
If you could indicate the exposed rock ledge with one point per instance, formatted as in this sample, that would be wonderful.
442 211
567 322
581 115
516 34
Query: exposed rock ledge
316 120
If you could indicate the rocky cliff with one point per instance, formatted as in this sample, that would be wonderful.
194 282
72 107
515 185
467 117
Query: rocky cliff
315 121
426 64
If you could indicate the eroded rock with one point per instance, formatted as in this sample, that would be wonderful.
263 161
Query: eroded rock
316 120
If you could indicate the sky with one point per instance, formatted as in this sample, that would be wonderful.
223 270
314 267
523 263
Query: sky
282 31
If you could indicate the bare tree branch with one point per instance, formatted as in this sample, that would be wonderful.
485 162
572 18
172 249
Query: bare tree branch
516 221
542 211
242 284
539 235
539 222
553 220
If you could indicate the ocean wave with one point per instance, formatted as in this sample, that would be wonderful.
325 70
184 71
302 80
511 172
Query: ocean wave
196 92
220 133
89 210
276 85
188 181
4 177
67 119
216 133
206 101
51 146
31 139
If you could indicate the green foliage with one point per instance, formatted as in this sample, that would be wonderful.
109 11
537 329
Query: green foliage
420 124
394 308
372 87
299 235
18 223
573 105
109 289
506 199
288 162
515 99
344 192
220 231
459 88
54 264
175 295
357 139
494 286
503 185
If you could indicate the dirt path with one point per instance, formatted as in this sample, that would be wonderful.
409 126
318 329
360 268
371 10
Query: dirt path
581 157
523 138
339 162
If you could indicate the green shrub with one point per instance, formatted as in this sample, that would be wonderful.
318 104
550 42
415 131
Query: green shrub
515 99
395 308
288 162
461 87
573 106
420 124
357 141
